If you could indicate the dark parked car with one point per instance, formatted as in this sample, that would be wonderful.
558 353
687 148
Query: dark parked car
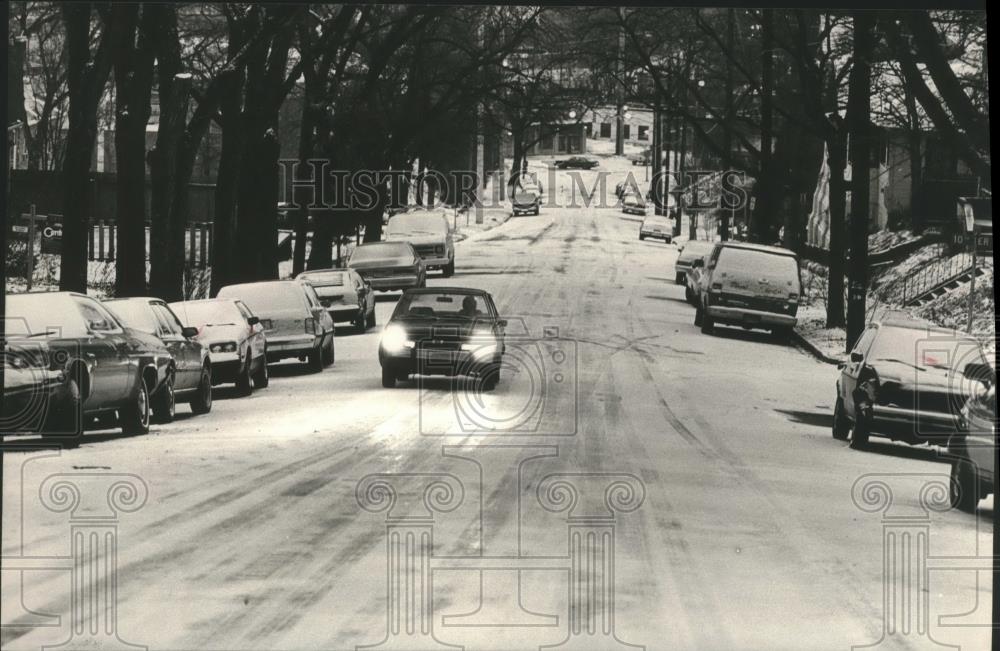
577 163
903 381
190 376
106 368
389 265
973 447
686 255
234 337
443 331
345 295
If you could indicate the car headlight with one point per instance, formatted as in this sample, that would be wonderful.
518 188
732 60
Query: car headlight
225 347
395 338
483 344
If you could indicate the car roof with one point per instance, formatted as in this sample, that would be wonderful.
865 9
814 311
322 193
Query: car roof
750 246
907 322
147 299
42 292
323 271
447 290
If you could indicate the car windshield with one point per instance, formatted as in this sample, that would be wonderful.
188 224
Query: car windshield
380 250
416 224
321 279
916 347
203 313
761 264
442 305
262 298
38 315
662 222
134 314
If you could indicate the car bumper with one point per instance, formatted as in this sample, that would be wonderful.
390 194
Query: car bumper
912 423
290 346
750 318
340 313
435 261
449 363
394 282
524 210
660 235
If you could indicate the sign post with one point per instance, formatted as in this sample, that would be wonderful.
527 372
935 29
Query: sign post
972 282
31 247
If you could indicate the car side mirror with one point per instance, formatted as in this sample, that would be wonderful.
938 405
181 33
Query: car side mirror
857 357
978 371
189 331
253 320
698 263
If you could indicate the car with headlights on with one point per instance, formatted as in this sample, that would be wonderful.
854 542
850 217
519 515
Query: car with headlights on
190 375
525 202
973 447
345 295
751 286
447 331
687 253
903 380
107 369
234 337
296 325
389 265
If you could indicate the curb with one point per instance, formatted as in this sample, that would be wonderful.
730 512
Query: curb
811 348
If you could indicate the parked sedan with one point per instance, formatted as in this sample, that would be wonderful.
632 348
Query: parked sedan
973 448
107 368
577 163
686 255
656 226
443 331
389 265
525 202
345 295
234 337
903 381
190 375
295 322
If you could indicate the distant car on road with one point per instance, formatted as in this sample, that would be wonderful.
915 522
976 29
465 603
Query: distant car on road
191 373
577 163
345 295
634 204
902 381
657 227
295 322
973 447
431 237
389 265
749 285
525 202
642 158
234 337
443 331
106 366
687 253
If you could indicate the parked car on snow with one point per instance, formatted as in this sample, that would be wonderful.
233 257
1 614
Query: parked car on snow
443 331
749 285
973 448
295 322
345 295
656 227
389 265
642 158
234 338
431 237
190 376
107 368
577 163
903 381
687 253
633 204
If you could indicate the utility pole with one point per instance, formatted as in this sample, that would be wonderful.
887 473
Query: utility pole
619 109
763 213
859 124
480 143
727 160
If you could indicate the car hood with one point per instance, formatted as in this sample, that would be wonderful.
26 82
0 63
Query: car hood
933 379
416 240
442 328
211 334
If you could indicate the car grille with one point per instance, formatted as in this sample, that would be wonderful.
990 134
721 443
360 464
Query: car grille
941 402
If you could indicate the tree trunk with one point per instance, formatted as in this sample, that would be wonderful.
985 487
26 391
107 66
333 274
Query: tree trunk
837 160
763 213
859 123
227 180
133 84
303 171
86 77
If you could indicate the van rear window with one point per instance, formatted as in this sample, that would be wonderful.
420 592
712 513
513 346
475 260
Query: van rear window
762 264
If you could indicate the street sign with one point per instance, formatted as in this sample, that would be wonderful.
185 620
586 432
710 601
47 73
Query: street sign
52 238
984 241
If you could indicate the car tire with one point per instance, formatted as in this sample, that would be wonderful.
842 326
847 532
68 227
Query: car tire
331 353
491 377
707 324
679 278
314 359
134 417
388 377
165 401
964 491
642 238
841 426
697 316
201 403
371 319
449 269
262 377
860 433
244 382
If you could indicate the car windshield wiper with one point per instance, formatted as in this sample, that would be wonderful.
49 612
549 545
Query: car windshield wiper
899 361
218 324
42 334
